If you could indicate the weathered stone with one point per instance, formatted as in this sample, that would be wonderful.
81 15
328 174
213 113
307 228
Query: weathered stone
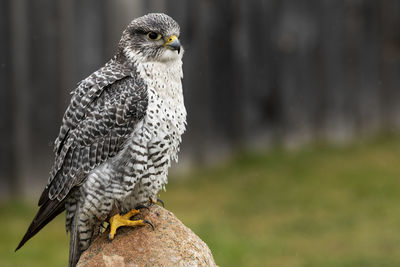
171 243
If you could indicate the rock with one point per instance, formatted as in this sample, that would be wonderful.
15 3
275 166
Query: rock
171 243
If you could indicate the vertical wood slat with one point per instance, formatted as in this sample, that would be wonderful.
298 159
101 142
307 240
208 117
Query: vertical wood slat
7 162
390 62
119 14
90 25
66 39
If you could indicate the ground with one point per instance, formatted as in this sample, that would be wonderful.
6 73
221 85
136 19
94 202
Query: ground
318 206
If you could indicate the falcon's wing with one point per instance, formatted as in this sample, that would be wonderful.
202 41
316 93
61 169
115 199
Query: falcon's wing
102 114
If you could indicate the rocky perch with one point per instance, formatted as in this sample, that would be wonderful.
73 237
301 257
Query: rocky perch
171 243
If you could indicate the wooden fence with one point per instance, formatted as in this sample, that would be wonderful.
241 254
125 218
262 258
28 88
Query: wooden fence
255 72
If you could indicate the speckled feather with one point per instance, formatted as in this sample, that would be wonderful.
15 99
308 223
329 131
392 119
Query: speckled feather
99 119
119 134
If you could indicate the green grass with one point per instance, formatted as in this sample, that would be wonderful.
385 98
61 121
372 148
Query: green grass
318 206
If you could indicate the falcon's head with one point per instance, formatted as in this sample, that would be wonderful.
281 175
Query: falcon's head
153 37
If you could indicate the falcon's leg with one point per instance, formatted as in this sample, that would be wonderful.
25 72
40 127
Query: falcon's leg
117 221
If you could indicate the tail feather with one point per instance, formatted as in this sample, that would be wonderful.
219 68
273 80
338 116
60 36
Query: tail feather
74 249
47 212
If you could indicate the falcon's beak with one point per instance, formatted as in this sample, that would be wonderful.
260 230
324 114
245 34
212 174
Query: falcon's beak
173 43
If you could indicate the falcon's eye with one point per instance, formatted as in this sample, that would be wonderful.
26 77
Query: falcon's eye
154 36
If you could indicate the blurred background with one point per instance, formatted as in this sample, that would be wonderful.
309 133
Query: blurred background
293 123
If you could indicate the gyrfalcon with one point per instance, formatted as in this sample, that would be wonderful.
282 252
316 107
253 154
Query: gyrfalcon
118 136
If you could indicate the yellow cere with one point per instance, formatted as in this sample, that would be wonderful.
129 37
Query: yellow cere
171 39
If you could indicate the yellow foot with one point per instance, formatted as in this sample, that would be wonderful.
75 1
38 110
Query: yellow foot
117 221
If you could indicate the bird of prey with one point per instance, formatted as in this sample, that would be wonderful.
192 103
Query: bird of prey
118 136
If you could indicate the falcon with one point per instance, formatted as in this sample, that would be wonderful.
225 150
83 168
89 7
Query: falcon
118 137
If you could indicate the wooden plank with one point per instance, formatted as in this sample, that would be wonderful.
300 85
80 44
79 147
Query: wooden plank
7 157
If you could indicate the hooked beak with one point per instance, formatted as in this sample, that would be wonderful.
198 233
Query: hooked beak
173 43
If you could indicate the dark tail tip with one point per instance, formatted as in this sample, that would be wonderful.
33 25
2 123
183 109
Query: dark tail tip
28 235
23 241
46 213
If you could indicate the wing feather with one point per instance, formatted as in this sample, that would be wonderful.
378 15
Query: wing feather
95 125
92 156
74 163
100 146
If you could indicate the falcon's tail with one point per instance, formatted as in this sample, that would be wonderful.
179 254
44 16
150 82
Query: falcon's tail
47 212
74 249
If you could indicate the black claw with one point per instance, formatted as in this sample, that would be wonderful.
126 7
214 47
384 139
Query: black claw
140 206
157 201
160 201
149 223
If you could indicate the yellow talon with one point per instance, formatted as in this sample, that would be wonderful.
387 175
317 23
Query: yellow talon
130 214
117 221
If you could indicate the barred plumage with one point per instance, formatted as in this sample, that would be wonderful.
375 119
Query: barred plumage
119 134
